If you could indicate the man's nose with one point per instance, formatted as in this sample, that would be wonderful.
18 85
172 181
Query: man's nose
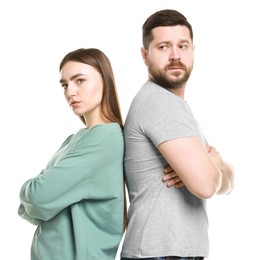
174 54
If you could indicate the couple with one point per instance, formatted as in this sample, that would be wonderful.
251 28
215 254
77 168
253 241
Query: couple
78 200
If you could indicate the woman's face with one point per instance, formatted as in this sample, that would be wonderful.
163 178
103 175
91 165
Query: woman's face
83 88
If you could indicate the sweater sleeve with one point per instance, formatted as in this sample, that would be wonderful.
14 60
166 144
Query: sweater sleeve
22 213
55 188
65 183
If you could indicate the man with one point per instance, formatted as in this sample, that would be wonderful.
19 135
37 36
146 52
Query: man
168 221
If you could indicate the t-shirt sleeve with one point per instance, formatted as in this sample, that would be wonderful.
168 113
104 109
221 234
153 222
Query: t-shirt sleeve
165 117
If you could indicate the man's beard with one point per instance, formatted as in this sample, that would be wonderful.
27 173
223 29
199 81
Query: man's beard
162 77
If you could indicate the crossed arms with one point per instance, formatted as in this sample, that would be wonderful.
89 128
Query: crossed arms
201 169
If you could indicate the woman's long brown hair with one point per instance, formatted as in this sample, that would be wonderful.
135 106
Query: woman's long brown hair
98 60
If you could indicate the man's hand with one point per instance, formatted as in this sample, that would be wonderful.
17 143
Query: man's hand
216 158
226 169
171 178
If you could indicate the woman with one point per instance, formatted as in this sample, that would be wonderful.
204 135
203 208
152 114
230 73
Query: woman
78 201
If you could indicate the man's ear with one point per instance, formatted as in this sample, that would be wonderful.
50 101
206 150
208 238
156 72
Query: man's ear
144 53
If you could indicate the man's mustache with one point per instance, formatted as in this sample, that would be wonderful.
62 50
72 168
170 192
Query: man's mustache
176 64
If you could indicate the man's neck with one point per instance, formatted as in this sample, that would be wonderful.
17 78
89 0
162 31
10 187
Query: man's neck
178 92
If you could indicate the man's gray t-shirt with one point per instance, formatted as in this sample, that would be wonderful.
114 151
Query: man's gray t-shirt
162 221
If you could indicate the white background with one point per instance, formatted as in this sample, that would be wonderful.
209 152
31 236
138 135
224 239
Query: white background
35 118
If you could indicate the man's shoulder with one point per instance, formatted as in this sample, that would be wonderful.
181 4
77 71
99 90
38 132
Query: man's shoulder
152 96
149 92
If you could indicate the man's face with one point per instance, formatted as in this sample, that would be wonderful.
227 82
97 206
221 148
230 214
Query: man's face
170 56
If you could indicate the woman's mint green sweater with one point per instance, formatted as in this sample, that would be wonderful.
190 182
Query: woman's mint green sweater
77 201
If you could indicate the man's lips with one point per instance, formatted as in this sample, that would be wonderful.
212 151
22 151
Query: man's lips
175 68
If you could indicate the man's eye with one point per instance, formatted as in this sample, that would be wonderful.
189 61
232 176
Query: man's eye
183 46
162 47
64 86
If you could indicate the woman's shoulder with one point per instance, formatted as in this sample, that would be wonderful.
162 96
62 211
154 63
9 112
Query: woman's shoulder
102 132
105 129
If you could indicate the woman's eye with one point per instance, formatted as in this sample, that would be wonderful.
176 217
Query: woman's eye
64 86
80 81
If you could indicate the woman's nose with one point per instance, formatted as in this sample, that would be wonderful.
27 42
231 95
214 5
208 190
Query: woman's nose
71 90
